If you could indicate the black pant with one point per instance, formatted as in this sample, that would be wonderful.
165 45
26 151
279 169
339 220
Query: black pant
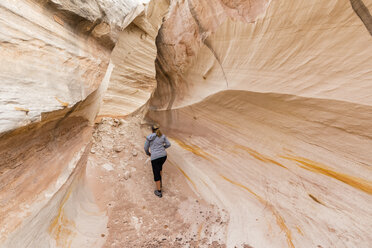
157 166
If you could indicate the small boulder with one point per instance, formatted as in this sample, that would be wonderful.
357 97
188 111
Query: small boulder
122 121
108 167
127 175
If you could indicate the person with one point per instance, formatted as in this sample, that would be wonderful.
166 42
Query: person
157 143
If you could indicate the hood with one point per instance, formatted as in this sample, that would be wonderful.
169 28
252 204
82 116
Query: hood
151 137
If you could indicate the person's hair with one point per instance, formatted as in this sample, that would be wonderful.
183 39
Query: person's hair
155 129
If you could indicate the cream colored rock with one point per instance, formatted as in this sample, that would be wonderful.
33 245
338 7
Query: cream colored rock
46 66
72 64
119 148
133 78
282 48
114 12
134 153
55 68
52 181
268 106
127 175
287 180
108 167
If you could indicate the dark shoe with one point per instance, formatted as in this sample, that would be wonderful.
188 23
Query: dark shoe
158 193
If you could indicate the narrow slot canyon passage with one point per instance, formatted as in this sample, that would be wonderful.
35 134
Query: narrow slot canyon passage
267 106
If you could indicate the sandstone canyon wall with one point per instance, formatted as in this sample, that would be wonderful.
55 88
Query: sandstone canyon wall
133 78
56 64
268 105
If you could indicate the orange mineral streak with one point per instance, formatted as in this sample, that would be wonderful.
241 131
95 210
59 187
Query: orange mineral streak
199 233
259 156
299 231
281 223
63 104
187 177
61 228
246 188
223 122
316 167
58 20
22 109
279 219
194 149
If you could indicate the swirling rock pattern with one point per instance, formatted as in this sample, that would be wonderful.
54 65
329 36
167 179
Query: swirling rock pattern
268 105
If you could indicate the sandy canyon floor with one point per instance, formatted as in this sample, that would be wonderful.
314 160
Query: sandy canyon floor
120 176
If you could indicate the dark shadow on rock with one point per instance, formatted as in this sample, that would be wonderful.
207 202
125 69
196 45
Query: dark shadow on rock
362 11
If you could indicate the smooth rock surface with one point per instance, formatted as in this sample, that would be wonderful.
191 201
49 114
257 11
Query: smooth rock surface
133 78
269 105
55 68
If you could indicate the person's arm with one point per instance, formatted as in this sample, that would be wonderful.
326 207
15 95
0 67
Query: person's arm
166 142
147 146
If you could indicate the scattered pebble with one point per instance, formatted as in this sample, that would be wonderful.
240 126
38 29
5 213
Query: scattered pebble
118 148
120 138
108 167
134 153
126 175
123 164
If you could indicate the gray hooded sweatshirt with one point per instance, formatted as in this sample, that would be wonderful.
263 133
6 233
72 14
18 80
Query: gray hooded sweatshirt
157 146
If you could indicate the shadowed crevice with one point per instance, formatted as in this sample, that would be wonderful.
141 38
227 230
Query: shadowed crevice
362 11
161 73
315 199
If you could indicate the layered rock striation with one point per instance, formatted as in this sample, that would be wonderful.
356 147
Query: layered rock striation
267 105
56 66
133 78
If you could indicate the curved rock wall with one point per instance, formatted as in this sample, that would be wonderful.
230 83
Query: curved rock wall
269 105
56 67
290 171
317 50
133 78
